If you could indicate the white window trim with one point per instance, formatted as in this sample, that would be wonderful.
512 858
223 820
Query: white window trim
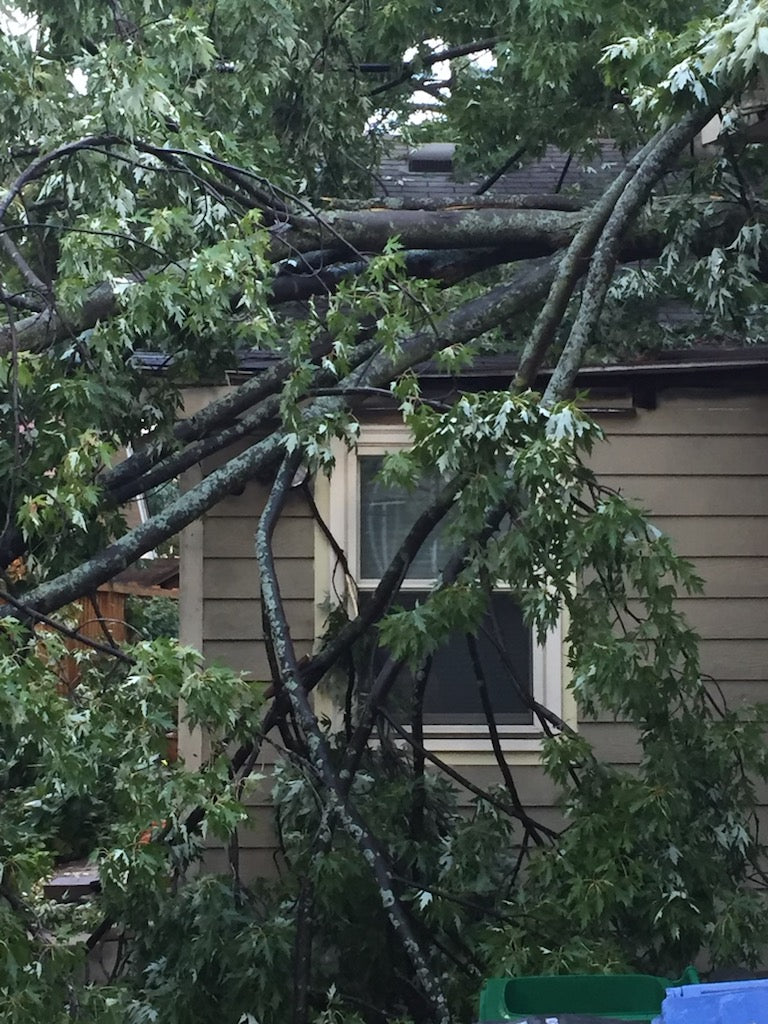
338 503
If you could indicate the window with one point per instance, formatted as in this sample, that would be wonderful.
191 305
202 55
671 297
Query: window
370 518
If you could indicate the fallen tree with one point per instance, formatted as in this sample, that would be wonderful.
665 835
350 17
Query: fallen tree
184 222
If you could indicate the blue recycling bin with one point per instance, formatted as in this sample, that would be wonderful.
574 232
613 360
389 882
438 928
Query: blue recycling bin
727 1002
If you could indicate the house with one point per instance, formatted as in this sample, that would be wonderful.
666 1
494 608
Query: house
430 170
687 437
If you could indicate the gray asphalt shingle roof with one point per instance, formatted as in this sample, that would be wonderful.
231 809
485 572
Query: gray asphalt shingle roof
538 177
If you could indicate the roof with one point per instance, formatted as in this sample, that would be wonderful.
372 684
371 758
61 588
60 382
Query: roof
735 368
678 361
552 172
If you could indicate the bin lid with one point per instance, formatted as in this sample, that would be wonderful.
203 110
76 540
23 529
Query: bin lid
562 1018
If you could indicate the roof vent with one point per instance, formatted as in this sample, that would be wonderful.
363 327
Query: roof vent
435 157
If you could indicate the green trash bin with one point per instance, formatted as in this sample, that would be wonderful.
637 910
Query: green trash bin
634 997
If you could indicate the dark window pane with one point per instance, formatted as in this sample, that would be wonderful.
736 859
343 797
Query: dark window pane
451 696
387 513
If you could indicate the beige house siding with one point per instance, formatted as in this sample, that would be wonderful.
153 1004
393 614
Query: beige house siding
698 462
221 616
232 632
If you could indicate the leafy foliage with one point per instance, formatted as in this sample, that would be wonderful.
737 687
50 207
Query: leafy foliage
152 617
164 168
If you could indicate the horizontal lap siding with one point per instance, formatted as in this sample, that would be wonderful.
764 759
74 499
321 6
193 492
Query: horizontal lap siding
233 634
231 585
699 465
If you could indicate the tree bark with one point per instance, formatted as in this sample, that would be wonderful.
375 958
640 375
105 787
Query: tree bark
319 753
526 234
654 165
468 322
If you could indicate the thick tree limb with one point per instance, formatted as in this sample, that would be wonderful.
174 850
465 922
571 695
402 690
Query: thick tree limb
446 244
525 233
544 201
654 165
570 270
467 322
39 331
448 266
184 510
222 422
319 752
23 302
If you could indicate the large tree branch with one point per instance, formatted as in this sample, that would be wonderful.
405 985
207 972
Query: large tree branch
140 473
654 165
447 266
39 331
445 244
528 201
319 752
469 321
525 233
568 273
218 425
453 251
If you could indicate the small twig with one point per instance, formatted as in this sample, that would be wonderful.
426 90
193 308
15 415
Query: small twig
491 180
500 805
418 802
747 195
520 860
493 732
388 586
92 600
378 694
475 908
302 951
563 173
413 67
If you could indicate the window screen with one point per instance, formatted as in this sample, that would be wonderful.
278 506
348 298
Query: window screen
386 514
